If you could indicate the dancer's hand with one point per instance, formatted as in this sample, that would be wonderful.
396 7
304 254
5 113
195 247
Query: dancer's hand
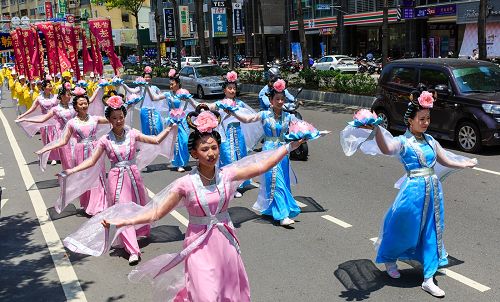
119 223
67 172
40 152
369 127
470 163
19 120
295 144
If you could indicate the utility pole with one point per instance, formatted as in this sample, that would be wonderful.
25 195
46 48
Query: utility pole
481 29
262 35
178 39
385 34
155 6
230 42
200 29
302 35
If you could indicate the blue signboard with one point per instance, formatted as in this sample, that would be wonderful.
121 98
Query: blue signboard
219 22
408 13
237 18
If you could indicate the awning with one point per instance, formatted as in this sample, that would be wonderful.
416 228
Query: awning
370 18
315 23
446 19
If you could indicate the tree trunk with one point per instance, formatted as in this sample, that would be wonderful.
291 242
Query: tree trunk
302 35
157 30
178 39
139 46
230 42
200 28
263 37
385 33
481 29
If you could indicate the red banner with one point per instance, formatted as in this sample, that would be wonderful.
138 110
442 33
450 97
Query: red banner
64 62
101 29
88 63
72 47
18 52
51 46
97 56
48 10
31 37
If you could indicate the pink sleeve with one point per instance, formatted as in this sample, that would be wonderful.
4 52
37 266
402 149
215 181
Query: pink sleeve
101 143
231 184
181 186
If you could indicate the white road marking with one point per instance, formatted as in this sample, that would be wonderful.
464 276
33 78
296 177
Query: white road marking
67 276
300 204
487 171
464 280
2 172
3 202
337 221
174 213
454 275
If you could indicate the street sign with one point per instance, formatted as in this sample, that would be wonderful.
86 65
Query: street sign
168 15
323 6
237 18
219 22
218 3
70 18
48 10
62 6
184 21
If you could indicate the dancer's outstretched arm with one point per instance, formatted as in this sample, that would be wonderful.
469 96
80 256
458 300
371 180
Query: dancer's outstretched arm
89 162
40 119
32 108
156 139
450 163
387 147
99 90
65 139
245 118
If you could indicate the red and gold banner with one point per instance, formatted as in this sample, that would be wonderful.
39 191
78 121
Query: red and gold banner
72 47
34 63
48 31
18 52
64 63
29 49
97 56
88 63
101 29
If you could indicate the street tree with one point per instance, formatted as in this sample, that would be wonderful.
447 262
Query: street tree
200 28
262 35
133 7
481 29
302 35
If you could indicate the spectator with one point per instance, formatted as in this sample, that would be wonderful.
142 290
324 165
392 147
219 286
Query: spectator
475 54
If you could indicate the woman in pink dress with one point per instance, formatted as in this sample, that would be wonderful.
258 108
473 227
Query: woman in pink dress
209 268
125 184
61 113
42 105
83 130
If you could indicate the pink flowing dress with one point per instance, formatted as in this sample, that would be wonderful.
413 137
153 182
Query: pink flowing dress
84 134
62 116
48 133
125 183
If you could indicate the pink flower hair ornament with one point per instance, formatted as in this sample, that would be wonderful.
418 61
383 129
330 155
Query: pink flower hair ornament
231 77
203 119
426 100
171 73
48 77
79 91
279 85
115 102
67 85
148 69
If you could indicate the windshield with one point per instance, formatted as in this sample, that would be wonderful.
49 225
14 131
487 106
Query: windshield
478 79
209 71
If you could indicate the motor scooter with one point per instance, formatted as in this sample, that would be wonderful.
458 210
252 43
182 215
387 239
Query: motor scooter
302 152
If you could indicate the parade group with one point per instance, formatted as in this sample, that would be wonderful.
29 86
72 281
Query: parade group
83 122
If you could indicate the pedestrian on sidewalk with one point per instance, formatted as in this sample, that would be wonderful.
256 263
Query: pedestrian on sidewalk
413 226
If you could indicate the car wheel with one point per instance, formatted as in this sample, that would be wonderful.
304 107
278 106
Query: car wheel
200 92
385 118
468 137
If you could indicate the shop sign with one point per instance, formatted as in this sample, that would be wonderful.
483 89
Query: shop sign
327 31
219 22
436 11
48 10
190 42
407 3
408 13
168 15
322 6
469 12
184 21
218 3
237 18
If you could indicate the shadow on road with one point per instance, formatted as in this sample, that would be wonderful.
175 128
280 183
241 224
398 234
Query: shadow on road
45 184
26 264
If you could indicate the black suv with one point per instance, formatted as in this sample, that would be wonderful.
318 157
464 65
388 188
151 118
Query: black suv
467 109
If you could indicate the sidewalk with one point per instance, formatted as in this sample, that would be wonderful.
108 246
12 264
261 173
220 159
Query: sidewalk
313 95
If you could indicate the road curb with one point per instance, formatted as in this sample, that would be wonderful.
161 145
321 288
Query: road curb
321 96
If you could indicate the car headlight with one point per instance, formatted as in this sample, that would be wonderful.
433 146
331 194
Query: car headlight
492 109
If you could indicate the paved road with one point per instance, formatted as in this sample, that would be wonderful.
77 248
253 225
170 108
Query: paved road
327 256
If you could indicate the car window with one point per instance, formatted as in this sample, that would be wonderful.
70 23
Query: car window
190 71
405 76
195 60
431 78
322 60
208 71
329 59
184 71
478 79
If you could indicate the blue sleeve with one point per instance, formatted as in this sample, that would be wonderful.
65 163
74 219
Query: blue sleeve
289 97
263 99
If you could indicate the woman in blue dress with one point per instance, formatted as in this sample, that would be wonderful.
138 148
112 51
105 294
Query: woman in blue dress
150 112
178 103
413 226
275 196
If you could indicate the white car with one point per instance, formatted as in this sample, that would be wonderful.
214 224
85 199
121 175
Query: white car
190 61
336 62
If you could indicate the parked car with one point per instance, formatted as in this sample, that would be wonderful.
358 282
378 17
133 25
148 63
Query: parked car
336 62
190 61
467 108
205 79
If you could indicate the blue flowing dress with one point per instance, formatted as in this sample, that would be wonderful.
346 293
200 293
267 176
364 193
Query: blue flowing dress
275 196
234 147
151 121
413 227
181 152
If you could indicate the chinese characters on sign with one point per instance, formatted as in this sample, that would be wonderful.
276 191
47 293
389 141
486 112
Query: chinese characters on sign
219 22
184 21
168 14
5 41
237 18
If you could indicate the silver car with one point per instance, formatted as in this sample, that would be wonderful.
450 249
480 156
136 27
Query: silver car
205 79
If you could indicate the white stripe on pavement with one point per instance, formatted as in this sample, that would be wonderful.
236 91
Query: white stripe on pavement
458 277
65 272
300 204
174 213
464 280
336 221
2 172
3 202
486 171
